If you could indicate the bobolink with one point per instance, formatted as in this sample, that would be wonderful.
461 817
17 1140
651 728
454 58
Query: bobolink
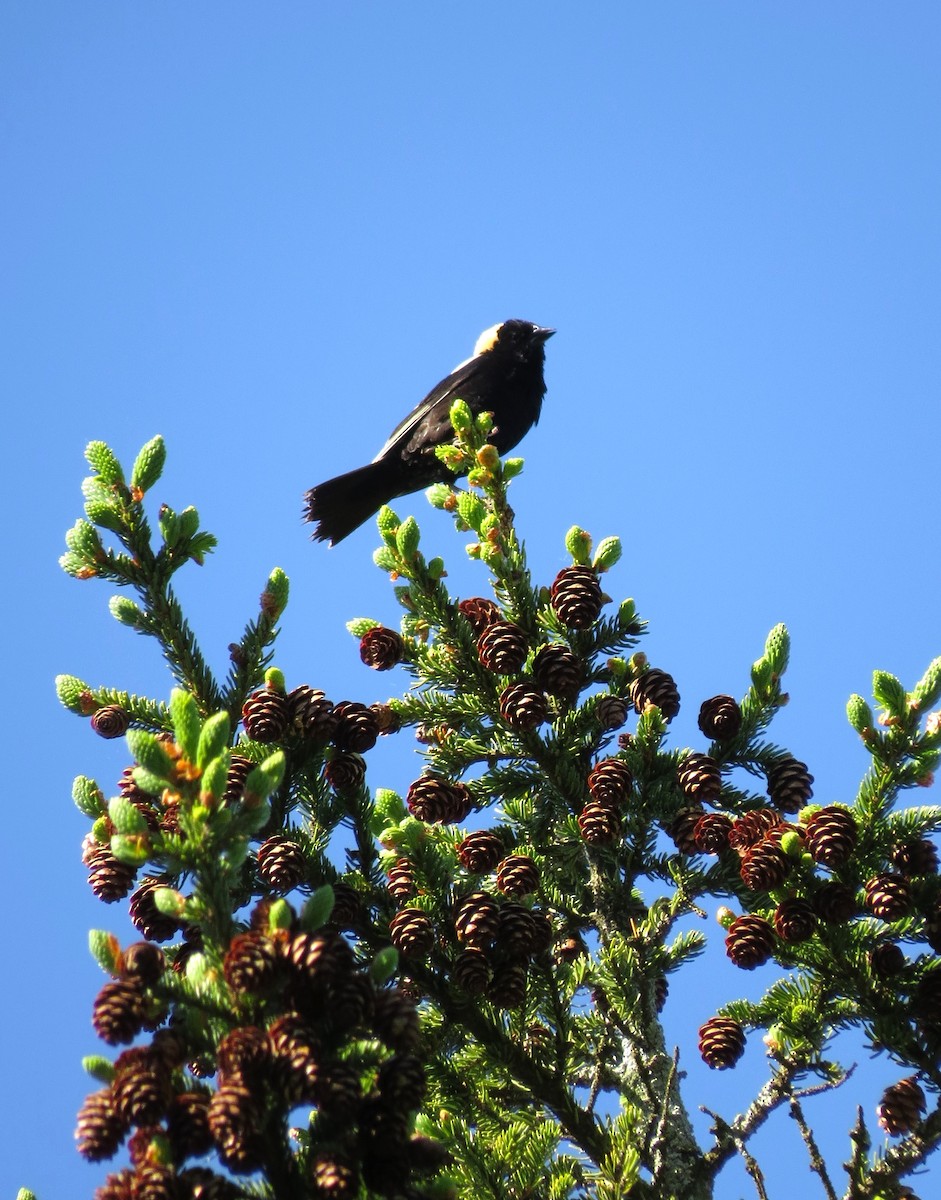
504 377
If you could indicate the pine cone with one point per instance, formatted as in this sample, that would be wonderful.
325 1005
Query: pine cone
478 612
699 779
203 1184
658 688
312 714
901 1106
144 962
319 959
750 941
599 823
251 963
108 878
401 1082
752 827
188 1125
610 711
240 768
610 782
682 829
471 971
395 1019
436 801
789 784
281 862
720 718
764 867
523 706
711 833
387 719
502 647
357 728
381 648
557 671
916 857
118 1013
576 597
508 986
794 920
266 716
412 932
141 1087
480 851
345 772
476 920
100 1128
236 1128
834 902
401 880
117 1186
830 835
517 875
334 1176
110 721
721 1042
887 960
516 931
245 1055
888 896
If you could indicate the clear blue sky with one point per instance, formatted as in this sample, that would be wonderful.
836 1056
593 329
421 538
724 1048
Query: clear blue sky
265 230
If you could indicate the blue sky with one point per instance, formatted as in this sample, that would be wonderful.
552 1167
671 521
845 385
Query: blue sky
265 231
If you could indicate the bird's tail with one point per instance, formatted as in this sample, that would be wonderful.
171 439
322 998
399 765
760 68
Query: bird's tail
342 504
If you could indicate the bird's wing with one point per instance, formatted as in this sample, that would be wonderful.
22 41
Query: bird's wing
451 385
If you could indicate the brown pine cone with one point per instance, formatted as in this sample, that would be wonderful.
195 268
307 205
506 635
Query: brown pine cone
387 719
901 1106
110 721
108 878
236 1127
599 823
245 1055
478 612
610 781
100 1128
750 941
240 768
144 962
721 1042
357 728
471 971
188 1125
477 920
794 920
752 827
345 772
517 875
558 671
682 829
699 779
516 930
141 1087
887 960
508 986
118 1185
658 688
610 711
266 716
834 902
395 1019
401 1082
720 718
789 784
523 706
119 1012
888 896
381 648
480 851
203 1184
412 932
437 801
318 960
311 714
149 921
281 862
401 880
576 597
502 647
334 1175
916 857
830 835
711 833
764 867
251 963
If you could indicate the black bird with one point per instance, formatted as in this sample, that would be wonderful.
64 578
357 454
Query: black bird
503 377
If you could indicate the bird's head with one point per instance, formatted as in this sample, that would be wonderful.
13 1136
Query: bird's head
522 339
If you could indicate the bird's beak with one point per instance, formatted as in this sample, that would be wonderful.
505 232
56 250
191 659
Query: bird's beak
544 334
